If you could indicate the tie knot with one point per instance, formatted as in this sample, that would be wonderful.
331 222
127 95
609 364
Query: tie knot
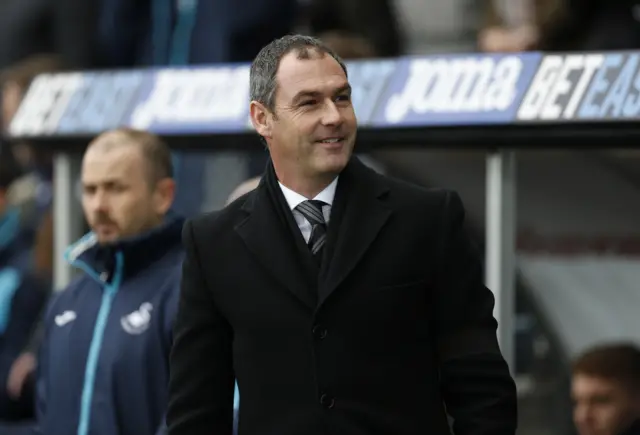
312 211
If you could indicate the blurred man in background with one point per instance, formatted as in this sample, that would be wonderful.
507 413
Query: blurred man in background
606 391
22 295
103 366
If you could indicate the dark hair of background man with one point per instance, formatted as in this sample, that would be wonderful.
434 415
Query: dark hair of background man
617 362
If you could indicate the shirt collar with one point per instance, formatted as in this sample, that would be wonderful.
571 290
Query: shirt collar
294 198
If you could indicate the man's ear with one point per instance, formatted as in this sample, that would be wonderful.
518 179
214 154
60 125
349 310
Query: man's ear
261 119
164 195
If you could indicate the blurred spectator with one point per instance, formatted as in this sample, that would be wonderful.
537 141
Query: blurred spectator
122 33
562 25
349 46
606 390
20 384
43 249
12 233
22 296
17 78
600 25
219 31
520 25
62 27
32 192
357 28
103 363
15 82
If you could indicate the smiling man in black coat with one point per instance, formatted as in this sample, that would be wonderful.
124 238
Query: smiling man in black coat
342 301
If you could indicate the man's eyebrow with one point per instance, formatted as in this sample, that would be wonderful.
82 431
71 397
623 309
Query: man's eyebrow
302 94
345 88
312 93
104 182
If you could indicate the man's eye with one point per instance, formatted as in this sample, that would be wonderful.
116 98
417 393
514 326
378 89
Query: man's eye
308 102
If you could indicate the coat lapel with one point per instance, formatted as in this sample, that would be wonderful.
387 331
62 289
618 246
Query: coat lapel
271 242
360 212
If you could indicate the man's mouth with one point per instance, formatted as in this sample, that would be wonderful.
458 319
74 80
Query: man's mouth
331 140
102 226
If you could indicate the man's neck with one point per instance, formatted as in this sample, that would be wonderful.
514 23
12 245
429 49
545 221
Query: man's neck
151 226
307 187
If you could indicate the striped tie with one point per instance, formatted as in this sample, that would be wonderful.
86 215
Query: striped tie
312 211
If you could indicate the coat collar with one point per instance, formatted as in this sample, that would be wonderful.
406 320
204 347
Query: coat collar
359 212
137 252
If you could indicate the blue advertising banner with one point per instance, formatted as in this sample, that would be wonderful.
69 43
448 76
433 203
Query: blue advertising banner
584 87
184 101
456 90
425 91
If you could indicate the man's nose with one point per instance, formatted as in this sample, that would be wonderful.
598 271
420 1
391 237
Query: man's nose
331 114
581 414
100 202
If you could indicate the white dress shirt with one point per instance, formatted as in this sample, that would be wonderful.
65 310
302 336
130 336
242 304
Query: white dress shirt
294 199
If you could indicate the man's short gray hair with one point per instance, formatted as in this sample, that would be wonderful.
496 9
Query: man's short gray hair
262 78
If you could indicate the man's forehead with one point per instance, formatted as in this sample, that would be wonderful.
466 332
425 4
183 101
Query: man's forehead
587 383
318 71
112 150
116 162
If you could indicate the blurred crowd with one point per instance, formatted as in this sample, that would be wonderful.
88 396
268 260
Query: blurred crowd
40 36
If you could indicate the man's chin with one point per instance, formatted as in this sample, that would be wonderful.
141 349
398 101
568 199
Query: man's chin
588 431
334 162
106 238
330 168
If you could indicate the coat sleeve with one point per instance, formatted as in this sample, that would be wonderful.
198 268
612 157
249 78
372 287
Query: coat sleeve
201 384
477 388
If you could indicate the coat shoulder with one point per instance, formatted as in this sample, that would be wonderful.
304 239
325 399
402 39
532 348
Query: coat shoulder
412 195
220 220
